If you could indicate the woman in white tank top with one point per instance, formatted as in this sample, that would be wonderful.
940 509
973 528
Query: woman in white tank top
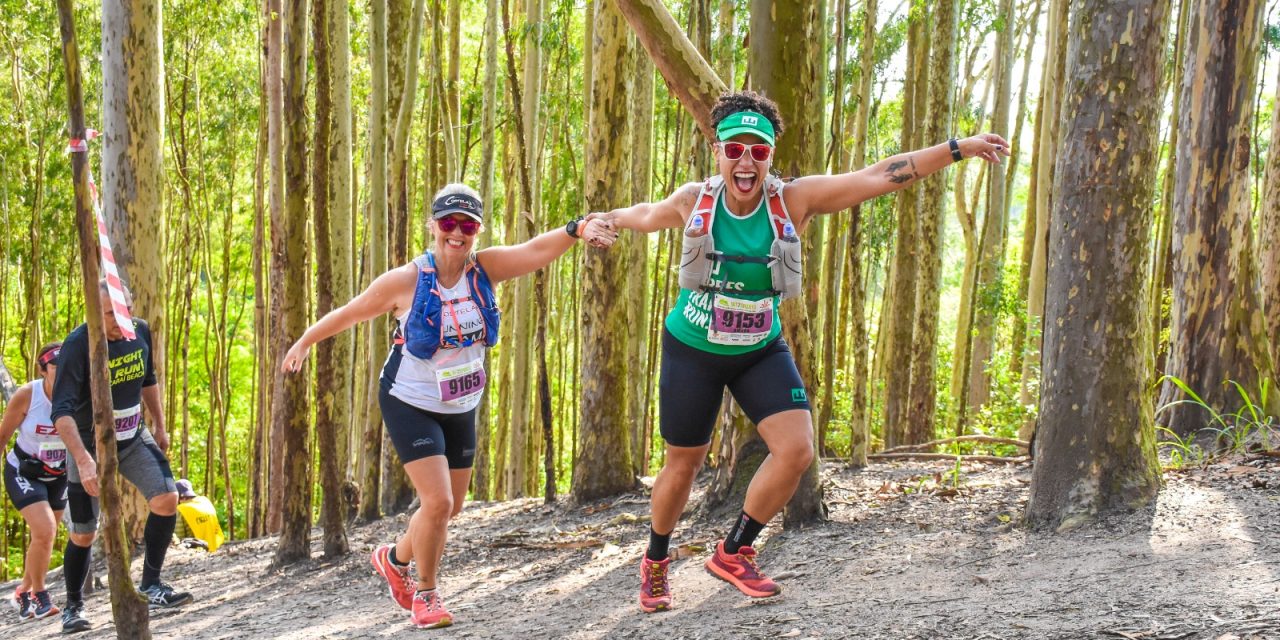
35 479
428 400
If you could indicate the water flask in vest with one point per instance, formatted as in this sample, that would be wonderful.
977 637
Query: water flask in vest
787 271
694 248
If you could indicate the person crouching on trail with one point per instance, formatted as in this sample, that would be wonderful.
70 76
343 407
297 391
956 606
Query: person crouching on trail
434 377
140 450
35 477
740 258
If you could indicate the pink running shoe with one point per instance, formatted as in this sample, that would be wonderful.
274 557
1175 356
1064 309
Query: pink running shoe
429 611
401 585
740 570
655 592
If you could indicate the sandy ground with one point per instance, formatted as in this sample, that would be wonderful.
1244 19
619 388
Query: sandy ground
905 555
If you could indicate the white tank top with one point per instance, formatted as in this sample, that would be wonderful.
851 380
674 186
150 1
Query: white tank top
36 435
453 380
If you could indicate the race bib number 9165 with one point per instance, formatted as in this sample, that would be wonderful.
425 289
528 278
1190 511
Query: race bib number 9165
459 385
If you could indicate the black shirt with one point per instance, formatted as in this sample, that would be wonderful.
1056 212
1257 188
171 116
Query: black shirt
131 370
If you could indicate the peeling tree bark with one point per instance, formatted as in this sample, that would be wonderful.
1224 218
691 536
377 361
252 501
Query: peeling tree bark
1217 330
603 464
1269 235
1095 450
687 73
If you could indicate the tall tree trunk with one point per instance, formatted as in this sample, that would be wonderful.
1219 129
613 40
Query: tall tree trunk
1269 233
786 66
481 481
901 298
924 351
1019 339
331 402
641 191
859 432
1047 142
133 175
990 275
342 235
1096 446
1217 331
603 463
128 608
295 534
370 488
276 344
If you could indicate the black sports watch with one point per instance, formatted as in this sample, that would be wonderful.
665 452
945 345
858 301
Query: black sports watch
574 228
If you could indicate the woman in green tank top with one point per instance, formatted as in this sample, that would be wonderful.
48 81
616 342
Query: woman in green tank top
724 332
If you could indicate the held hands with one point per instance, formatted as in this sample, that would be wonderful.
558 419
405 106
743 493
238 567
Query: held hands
598 231
987 146
293 359
161 438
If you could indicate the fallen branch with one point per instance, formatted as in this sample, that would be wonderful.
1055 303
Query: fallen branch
1022 444
947 456
546 546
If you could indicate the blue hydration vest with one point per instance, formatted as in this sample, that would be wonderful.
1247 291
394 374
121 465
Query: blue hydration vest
422 334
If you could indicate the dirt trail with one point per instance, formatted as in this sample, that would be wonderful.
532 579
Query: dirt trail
905 555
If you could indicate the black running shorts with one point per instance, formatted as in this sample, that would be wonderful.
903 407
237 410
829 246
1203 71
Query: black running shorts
418 433
24 492
691 386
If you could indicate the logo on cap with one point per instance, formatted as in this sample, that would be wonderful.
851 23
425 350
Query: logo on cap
455 201
750 120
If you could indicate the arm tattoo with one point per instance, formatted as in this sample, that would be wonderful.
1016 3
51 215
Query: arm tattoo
901 178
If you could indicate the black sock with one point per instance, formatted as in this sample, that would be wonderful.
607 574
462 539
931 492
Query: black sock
743 533
394 560
658 545
75 568
156 536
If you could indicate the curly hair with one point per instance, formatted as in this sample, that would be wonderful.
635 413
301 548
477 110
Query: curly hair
732 102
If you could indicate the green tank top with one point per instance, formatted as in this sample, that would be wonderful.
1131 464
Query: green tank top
691 318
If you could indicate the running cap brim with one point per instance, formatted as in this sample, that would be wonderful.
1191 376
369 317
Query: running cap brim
746 122
457 203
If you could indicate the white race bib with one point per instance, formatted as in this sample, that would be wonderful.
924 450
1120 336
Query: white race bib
127 422
739 322
461 384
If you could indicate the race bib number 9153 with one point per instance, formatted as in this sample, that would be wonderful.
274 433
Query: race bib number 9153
739 322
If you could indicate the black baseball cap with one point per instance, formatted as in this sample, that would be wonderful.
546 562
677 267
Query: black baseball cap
457 203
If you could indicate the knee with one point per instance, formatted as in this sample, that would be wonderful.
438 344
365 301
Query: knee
684 467
436 509
165 504
42 527
82 539
797 456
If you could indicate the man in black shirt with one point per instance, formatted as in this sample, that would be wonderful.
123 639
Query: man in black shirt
141 454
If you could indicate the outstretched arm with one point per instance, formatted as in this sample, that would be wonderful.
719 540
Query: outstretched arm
818 194
381 297
647 217
507 262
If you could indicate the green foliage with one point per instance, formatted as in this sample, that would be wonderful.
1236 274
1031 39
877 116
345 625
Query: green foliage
1232 432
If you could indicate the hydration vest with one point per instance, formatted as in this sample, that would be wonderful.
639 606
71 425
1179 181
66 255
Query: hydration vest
698 253
421 333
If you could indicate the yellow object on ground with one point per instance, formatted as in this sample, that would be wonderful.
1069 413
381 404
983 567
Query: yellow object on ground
202 521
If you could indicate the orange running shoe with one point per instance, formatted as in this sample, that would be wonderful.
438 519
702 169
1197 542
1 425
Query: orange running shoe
402 586
429 611
655 593
740 570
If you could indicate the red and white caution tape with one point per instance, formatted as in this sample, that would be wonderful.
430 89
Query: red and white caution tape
114 288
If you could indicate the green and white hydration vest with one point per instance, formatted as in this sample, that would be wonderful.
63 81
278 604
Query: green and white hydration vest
733 274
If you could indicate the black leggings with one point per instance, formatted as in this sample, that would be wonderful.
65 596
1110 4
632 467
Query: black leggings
418 433
764 382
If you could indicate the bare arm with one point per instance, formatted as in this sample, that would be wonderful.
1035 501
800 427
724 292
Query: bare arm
14 413
386 293
819 194
88 469
155 411
507 262
648 217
